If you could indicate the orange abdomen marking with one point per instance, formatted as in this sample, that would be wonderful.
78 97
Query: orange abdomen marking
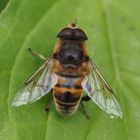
67 94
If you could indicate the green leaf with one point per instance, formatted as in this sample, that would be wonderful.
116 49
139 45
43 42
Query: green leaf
113 31
3 4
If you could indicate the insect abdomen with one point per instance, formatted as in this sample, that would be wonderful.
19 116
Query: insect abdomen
67 97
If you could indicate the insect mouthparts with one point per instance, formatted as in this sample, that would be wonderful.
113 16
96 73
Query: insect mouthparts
73 23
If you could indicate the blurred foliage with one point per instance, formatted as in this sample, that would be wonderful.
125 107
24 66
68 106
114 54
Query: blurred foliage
3 3
113 32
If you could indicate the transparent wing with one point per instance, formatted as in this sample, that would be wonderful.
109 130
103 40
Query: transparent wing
100 92
37 86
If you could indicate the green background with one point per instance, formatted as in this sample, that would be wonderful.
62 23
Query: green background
113 29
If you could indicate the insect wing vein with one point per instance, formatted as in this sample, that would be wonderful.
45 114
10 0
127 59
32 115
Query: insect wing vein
100 92
41 84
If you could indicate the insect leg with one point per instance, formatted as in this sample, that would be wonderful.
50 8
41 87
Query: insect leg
86 98
36 54
83 110
35 74
48 106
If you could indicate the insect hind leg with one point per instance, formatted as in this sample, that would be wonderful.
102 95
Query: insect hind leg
86 98
49 105
83 110
40 56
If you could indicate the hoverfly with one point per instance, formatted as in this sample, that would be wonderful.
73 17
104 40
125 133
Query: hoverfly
67 73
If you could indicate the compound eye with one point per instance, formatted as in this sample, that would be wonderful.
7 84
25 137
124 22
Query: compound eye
74 34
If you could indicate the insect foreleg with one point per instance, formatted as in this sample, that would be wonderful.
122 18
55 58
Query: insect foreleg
36 54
